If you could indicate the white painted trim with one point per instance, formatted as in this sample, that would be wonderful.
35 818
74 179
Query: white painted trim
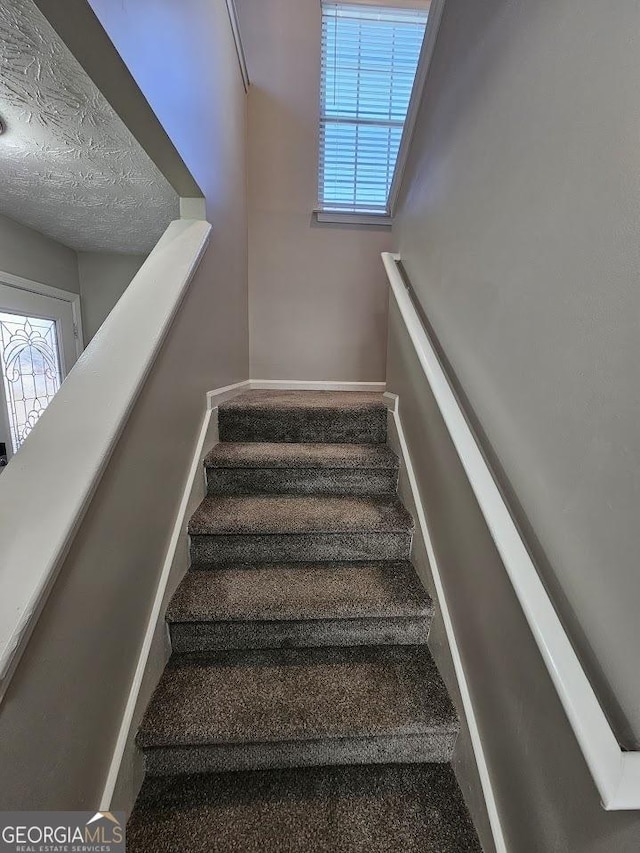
301 385
237 37
179 529
214 398
422 71
467 703
83 423
383 220
193 208
397 4
55 293
38 287
157 615
615 772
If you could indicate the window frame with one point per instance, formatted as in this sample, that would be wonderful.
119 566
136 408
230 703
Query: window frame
385 218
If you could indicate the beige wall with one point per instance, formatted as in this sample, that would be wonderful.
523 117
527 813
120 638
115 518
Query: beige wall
104 276
60 718
29 254
405 378
184 61
519 230
99 277
544 792
317 292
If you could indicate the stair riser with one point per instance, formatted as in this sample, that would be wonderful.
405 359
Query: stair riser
403 749
300 481
325 427
215 636
300 547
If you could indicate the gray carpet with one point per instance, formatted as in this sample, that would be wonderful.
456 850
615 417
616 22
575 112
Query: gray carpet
293 514
374 809
299 528
299 604
303 469
317 705
304 416
211 636
272 455
289 694
283 591
299 652
298 547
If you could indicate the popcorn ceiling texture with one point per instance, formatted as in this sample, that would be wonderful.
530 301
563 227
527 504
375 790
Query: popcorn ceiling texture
69 167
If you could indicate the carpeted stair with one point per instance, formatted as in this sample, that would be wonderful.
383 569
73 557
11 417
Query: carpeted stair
236 468
275 605
301 709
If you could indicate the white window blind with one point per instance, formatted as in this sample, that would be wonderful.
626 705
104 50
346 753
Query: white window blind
369 60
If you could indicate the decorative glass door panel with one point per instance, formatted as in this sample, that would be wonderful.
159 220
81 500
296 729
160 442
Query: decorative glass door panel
30 364
37 350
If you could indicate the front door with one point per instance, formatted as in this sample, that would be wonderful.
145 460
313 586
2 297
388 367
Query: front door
37 350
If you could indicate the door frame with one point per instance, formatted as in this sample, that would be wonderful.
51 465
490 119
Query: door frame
57 293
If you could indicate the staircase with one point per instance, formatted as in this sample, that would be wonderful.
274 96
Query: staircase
301 709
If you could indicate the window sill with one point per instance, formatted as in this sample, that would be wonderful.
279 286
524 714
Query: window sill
346 218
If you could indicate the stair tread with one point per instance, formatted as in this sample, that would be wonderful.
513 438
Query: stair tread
379 809
304 416
295 514
297 695
232 454
343 401
297 591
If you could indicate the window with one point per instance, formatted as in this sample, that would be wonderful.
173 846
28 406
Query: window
39 344
30 365
369 60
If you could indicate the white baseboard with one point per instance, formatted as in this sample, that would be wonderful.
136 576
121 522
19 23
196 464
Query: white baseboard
492 810
172 570
312 385
219 395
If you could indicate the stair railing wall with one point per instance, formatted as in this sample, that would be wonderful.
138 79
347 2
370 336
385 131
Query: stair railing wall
47 488
616 772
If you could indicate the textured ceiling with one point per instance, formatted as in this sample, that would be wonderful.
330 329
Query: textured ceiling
69 167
